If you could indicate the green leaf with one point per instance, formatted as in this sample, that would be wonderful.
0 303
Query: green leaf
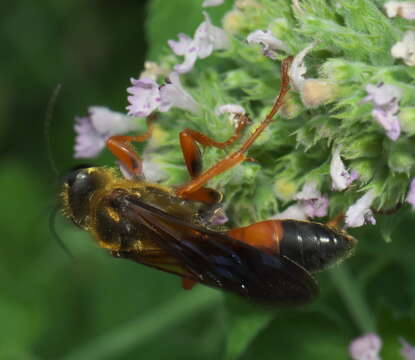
245 321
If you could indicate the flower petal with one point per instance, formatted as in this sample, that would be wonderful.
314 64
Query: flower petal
382 94
173 95
298 68
360 213
268 41
106 121
410 198
145 97
404 9
208 3
88 141
366 347
295 212
341 178
407 350
313 203
209 37
405 49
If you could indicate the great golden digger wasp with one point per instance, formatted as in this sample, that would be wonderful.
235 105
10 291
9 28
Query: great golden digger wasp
173 229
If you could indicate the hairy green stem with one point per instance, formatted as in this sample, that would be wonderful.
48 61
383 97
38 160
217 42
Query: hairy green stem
116 342
352 297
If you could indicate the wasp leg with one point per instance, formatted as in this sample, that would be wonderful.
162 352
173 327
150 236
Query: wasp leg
336 221
188 284
239 156
120 146
193 159
191 152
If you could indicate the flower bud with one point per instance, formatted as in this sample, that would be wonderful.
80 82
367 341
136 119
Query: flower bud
316 92
285 189
401 157
407 119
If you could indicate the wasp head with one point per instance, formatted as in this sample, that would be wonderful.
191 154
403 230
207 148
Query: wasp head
80 187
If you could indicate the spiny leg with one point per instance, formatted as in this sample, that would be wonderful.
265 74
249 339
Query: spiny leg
193 159
120 146
239 156
191 152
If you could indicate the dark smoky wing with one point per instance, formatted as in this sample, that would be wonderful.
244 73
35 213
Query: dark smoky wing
218 260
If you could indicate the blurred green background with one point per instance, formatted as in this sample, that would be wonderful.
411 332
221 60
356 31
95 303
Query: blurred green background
97 307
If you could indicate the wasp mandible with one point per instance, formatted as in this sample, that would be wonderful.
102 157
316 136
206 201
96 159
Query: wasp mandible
172 229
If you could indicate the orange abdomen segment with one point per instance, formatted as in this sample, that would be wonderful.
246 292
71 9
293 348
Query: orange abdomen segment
264 235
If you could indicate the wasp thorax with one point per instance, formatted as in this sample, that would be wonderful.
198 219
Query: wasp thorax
79 189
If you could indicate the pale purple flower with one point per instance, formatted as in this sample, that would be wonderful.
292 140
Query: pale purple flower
298 68
340 176
145 97
360 213
295 211
385 99
173 95
93 131
407 350
366 347
405 49
88 141
404 9
410 198
312 201
234 111
270 44
185 47
208 3
207 38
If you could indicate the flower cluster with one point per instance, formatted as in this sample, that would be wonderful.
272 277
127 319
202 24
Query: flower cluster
346 114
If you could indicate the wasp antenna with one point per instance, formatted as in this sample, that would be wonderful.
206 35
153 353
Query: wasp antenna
48 120
54 233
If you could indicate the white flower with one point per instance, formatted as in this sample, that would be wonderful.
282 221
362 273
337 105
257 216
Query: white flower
234 111
404 9
207 38
366 347
405 49
269 42
173 95
312 201
310 204
360 213
407 350
341 178
386 107
93 131
298 68
295 212
208 3
145 97
410 198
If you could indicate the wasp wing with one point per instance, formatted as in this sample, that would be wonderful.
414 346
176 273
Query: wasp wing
218 260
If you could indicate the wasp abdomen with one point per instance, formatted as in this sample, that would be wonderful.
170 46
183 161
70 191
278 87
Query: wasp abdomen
313 245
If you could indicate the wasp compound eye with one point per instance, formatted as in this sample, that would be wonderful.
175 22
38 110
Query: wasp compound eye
80 186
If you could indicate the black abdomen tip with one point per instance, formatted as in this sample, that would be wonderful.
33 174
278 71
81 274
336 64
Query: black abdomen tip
314 245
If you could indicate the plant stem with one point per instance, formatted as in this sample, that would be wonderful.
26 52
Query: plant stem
145 326
352 297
